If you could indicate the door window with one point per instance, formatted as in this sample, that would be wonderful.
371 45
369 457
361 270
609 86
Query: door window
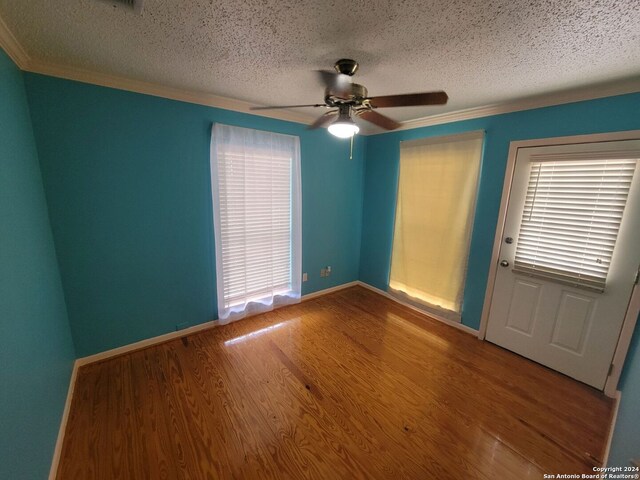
571 217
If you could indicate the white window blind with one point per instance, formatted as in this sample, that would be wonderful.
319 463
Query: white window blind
571 218
255 180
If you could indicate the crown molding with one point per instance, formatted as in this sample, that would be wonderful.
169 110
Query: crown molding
201 98
592 92
12 47
157 90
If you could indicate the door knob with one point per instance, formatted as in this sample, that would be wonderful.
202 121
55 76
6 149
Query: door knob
504 263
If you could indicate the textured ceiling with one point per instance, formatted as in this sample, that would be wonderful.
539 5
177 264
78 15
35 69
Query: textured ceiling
264 51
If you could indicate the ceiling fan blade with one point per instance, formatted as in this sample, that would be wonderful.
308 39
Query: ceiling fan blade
378 119
338 83
288 106
409 100
323 120
326 77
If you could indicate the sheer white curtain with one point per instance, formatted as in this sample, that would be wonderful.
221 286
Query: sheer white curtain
255 186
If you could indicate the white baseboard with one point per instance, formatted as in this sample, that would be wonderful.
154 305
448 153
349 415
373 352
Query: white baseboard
57 451
183 333
212 324
320 293
614 418
451 323
148 342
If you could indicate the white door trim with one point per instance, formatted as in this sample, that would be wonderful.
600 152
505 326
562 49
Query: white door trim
624 341
634 305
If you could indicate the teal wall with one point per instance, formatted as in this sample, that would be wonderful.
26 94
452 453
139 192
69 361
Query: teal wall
36 351
381 179
127 183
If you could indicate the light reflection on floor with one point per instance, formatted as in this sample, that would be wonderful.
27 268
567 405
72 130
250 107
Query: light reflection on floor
253 334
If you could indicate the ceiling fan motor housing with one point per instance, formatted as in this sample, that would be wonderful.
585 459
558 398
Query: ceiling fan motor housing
356 96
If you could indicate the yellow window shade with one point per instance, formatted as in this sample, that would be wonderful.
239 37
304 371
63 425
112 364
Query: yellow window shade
434 216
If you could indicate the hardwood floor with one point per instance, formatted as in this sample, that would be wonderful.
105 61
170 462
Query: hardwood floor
349 385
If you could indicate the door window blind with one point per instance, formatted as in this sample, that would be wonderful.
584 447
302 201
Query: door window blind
571 217
255 180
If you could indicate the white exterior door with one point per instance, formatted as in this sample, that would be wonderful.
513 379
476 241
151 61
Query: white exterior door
569 256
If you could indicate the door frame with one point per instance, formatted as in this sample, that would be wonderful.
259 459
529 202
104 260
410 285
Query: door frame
633 308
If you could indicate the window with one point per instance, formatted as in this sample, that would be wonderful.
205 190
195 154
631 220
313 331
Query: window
255 184
434 217
571 218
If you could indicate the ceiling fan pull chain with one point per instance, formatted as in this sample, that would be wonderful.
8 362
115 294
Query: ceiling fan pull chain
351 150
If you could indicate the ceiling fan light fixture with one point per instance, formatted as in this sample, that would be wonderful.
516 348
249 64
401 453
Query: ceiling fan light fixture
343 129
344 126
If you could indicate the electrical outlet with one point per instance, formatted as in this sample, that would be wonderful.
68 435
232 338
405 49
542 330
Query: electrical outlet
325 271
304 277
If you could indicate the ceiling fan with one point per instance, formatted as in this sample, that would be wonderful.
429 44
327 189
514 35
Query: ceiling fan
346 99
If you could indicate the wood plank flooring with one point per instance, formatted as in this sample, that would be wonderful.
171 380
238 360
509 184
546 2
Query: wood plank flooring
349 385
